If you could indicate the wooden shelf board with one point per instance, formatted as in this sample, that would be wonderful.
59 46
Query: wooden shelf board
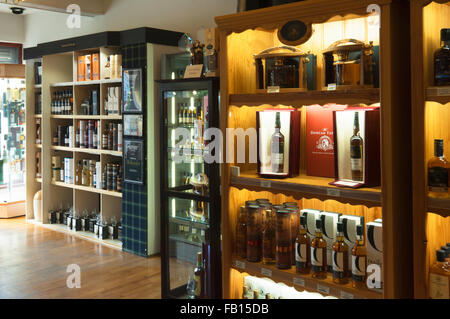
87 117
113 243
304 282
38 116
80 83
439 94
87 150
309 187
439 206
69 117
88 189
349 96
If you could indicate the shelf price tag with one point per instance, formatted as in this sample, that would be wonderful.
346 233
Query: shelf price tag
266 184
239 264
299 282
266 272
332 87
333 192
273 89
346 295
323 289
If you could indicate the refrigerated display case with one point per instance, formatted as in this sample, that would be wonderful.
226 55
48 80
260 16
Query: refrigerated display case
190 186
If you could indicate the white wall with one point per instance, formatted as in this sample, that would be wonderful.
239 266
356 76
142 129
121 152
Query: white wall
11 28
177 15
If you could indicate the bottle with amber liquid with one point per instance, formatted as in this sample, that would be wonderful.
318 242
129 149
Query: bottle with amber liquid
340 257
268 246
442 60
439 277
302 249
359 260
438 172
245 292
241 233
78 173
356 152
319 253
277 147
199 275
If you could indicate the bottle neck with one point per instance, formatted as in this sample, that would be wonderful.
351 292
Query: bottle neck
360 241
340 237
302 231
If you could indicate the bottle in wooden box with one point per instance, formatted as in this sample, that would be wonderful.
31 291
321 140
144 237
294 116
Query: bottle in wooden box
439 278
283 239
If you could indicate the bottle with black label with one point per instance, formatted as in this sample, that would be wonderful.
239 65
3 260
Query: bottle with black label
359 258
302 249
438 172
319 253
340 257
442 60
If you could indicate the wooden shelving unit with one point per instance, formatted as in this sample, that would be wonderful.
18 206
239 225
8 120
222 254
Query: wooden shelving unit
431 113
60 73
304 282
245 34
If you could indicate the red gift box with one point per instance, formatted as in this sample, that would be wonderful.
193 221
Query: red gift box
320 139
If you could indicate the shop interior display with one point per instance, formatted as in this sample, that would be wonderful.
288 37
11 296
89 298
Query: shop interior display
430 23
350 79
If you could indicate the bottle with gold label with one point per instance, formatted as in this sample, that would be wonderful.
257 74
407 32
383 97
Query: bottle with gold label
439 277
199 275
78 173
319 253
340 257
359 260
302 249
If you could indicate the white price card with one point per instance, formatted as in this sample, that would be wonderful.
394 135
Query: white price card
346 295
193 71
273 89
266 272
323 289
332 87
299 281
239 264
266 184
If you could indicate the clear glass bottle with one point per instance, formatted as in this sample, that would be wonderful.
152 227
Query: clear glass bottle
302 249
319 253
442 60
438 172
359 260
340 257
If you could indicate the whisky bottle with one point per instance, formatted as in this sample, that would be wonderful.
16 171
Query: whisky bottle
356 152
277 147
359 260
268 296
199 275
442 60
340 257
438 172
245 292
439 278
255 294
302 249
319 253
111 137
78 173
241 233
269 245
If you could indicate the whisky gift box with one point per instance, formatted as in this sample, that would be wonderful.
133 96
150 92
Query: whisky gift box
350 222
329 224
113 232
85 223
286 163
374 248
320 139
357 157
96 66
81 68
76 224
92 224
311 216
103 232
52 217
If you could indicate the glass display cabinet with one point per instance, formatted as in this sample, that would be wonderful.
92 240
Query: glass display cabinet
190 188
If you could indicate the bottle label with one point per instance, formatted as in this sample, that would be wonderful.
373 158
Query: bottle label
198 286
300 253
438 179
338 261
439 286
356 164
316 257
358 268
277 158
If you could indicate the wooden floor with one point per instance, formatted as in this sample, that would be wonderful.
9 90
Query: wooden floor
33 263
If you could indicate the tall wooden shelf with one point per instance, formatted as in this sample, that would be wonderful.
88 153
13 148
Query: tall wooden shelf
59 72
247 33
430 121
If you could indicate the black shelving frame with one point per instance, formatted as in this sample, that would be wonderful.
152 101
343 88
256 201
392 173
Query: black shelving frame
213 198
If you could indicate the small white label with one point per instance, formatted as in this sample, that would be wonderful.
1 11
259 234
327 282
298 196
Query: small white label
266 272
323 289
333 192
266 184
346 295
193 71
273 89
332 87
240 264
299 281
277 158
356 164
